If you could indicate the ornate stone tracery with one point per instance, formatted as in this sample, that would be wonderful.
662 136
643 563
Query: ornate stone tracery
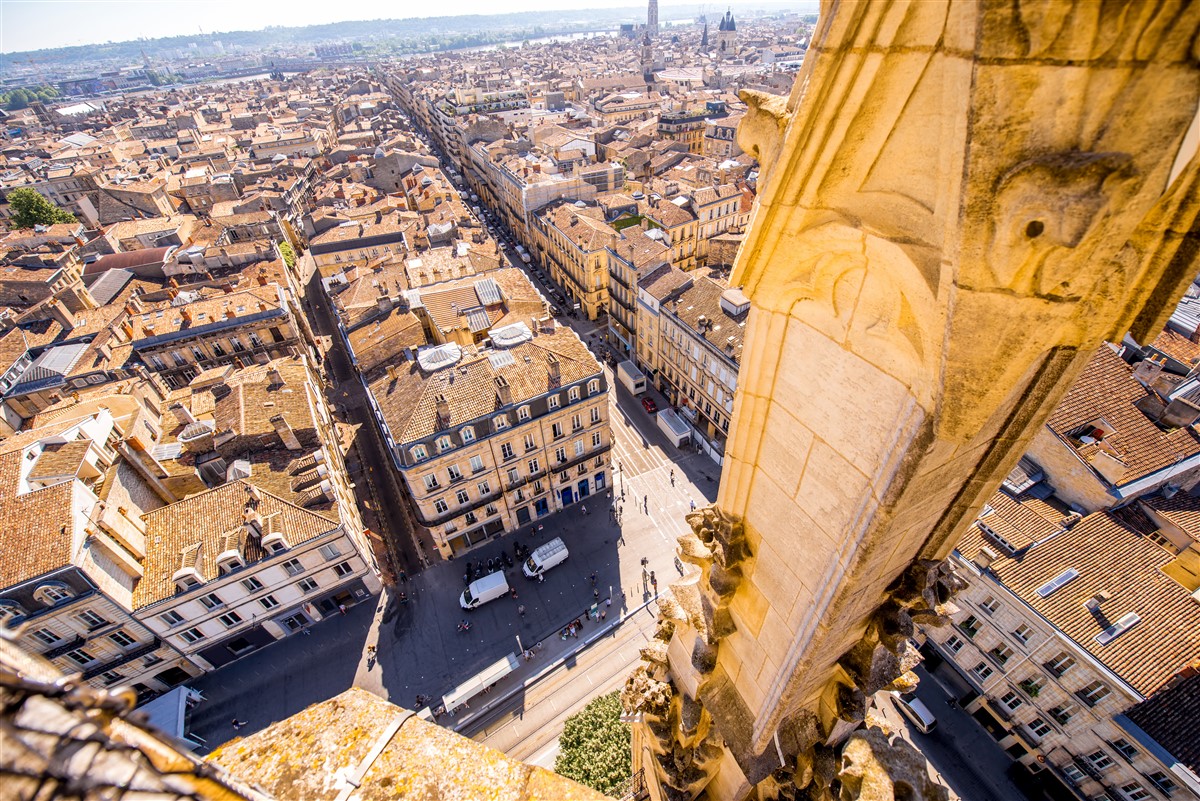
958 202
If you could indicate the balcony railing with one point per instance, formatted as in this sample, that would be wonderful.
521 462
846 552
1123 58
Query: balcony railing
124 659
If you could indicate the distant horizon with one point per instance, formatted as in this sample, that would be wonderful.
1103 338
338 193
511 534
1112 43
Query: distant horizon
25 27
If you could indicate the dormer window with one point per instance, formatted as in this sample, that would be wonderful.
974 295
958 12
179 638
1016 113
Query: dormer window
418 452
53 593
229 561
468 434
1117 629
275 543
444 444
593 387
10 610
573 394
552 401
186 578
500 422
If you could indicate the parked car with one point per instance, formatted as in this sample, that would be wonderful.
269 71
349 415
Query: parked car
915 710
649 405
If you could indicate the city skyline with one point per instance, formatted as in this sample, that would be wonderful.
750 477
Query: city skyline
23 23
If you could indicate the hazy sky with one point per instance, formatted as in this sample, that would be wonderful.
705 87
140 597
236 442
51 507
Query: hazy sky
34 24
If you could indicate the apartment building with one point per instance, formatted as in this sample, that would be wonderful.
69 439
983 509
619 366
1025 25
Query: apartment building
684 127
488 440
71 495
179 342
718 211
359 241
634 255
572 241
1066 625
1122 430
689 335
675 218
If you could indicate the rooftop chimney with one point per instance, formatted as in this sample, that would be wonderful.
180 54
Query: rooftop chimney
285 432
503 391
182 413
275 377
186 314
554 370
230 313
262 277
443 411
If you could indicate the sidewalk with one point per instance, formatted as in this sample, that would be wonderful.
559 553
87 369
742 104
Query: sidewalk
548 654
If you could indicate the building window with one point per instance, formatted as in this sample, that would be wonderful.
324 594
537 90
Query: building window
307 584
484 488
121 638
1001 653
192 635
111 676
523 413
454 473
476 464
418 452
1074 774
46 636
1039 727
91 620
595 414
1060 664
268 602
597 440
556 430
1022 633
954 644
1100 760
463 497
593 387
534 466
342 569
80 657
329 552
1117 629
172 619
1162 782
579 447
982 671
1124 748
468 434
552 401
293 567
1134 791
230 619
1093 693
500 422
211 601
1058 582
431 482
1063 713
506 451
990 605
50 594
530 442
1011 700
572 394
576 423
444 444
252 584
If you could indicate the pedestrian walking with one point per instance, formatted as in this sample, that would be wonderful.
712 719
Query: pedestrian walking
584 508
646 503
521 610
608 601
693 503
654 582
403 576
595 593
672 477
342 608
603 614
237 724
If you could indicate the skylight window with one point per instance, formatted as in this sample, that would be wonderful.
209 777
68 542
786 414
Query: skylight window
1058 582
1117 629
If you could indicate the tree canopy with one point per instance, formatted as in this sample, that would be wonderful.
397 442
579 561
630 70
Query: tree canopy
21 98
594 748
289 255
29 208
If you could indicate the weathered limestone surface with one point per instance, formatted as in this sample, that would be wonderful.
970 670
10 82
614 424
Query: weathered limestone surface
961 199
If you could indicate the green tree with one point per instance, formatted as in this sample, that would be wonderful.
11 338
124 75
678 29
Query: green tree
29 208
594 748
289 255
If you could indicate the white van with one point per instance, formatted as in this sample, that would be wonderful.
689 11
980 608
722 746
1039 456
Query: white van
488 588
915 710
545 557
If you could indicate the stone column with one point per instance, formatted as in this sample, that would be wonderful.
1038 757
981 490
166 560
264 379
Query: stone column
960 200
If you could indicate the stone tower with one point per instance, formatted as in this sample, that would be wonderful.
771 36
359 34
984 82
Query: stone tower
933 258
727 35
652 18
648 61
